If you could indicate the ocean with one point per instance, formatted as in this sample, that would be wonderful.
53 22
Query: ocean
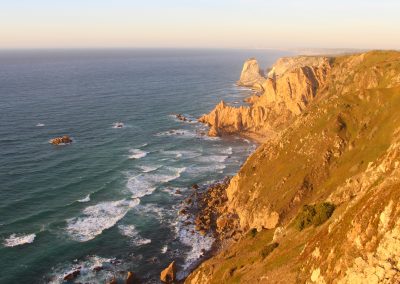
111 198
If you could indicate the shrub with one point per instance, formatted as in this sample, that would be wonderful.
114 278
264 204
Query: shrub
315 215
253 232
268 249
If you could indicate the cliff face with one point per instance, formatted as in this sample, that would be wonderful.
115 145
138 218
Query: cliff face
342 149
292 84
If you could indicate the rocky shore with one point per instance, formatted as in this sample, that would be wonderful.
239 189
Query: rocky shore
316 202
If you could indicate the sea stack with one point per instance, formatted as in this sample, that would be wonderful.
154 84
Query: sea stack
168 275
251 75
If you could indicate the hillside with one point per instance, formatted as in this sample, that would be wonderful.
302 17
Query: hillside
336 145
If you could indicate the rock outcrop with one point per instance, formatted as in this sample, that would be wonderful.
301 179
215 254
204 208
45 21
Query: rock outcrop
292 85
61 140
251 75
342 149
168 275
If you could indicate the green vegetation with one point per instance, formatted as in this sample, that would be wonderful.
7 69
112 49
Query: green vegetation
253 232
315 215
266 251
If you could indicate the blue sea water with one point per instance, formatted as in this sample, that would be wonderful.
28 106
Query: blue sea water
111 198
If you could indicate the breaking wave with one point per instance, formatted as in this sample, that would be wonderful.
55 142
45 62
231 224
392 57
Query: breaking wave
137 154
97 218
146 183
17 240
131 232
86 199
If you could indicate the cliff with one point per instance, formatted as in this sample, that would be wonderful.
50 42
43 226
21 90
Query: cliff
291 85
338 150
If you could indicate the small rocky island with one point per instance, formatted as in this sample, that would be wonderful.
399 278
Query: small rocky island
61 140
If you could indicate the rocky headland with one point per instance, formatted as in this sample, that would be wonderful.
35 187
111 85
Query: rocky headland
317 202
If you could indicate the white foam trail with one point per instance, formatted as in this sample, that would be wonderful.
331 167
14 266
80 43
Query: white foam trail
164 249
148 169
145 184
182 154
137 154
40 124
86 199
86 268
212 159
97 218
228 151
198 170
131 232
17 240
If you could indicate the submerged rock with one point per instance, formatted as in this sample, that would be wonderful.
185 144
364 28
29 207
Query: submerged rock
168 275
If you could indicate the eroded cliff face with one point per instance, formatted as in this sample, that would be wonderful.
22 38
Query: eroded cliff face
292 84
343 149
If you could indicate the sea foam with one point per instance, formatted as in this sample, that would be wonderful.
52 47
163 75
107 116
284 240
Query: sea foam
137 154
86 199
144 184
97 218
17 240
131 232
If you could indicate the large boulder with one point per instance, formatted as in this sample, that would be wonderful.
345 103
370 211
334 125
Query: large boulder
168 275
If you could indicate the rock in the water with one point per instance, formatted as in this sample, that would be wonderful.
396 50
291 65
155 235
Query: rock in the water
181 117
251 75
61 140
72 275
97 268
168 275
131 278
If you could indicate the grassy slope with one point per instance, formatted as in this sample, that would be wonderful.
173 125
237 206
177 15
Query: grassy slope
339 135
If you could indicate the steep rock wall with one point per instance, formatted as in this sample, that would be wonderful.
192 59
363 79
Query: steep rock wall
285 95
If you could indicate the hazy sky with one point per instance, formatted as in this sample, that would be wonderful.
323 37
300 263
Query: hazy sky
200 23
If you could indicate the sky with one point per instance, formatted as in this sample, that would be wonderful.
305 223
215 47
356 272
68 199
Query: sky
285 24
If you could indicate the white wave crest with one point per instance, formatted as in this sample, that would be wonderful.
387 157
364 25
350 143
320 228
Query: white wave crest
137 154
86 199
183 133
17 240
131 232
228 151
185 154
97 218
40 124
145 184
148 169
212 159
86 267
198 170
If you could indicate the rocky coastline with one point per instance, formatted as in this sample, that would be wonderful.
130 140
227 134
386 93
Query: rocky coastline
300 208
